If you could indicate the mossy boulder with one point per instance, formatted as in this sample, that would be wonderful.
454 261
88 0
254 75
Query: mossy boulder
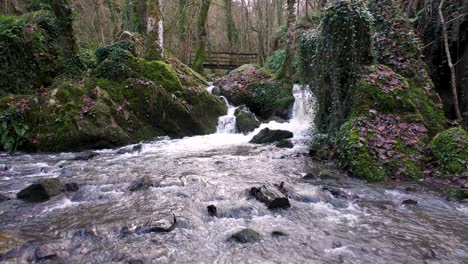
450 150
245 120
255 88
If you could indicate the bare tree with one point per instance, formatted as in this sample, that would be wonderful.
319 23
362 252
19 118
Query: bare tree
450 63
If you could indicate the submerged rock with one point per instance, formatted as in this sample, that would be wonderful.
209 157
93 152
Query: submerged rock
245 236
338 193
212 210
409 202
71 187
266 136
141 184
85 156
50 252
285 143
278 234
272 196
41 191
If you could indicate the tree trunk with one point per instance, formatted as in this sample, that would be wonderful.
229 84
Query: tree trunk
287 69
201 37
182 30
63 12
142 12
450 63
232 33
154 31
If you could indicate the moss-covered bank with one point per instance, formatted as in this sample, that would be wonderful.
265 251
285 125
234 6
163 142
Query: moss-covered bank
125 99
377 105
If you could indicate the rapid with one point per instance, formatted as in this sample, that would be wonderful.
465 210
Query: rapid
99 222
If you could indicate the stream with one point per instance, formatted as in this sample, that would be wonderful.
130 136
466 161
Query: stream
99 222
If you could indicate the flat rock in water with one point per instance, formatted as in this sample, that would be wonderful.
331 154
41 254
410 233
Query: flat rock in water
266 136
278 234
141 184
285 143
245 236
71 187
50 252
272 196
158 226
41 191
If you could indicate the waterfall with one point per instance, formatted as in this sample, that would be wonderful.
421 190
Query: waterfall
227 123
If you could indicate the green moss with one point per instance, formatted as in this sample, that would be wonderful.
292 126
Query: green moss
161 73
118 65
457 193
354 154
450 149
268 98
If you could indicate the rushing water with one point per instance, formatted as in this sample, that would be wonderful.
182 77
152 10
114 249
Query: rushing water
97 223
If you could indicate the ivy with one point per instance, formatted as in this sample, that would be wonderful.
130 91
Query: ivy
13 130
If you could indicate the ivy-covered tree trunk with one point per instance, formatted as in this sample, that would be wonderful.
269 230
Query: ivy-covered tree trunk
142 11
154 31
232 33
182 30
64 14
287 70
201 37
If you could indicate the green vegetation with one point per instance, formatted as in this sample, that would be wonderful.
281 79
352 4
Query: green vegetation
450 149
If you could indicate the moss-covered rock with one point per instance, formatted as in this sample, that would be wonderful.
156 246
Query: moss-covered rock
245 120
255 88
126 100
450 150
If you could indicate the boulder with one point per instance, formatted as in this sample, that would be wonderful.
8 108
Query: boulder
41 191
245 236
125 150
50 252
141 184
266 136
272 196
245 120
285 143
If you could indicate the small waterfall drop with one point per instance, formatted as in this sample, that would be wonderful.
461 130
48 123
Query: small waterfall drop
227 123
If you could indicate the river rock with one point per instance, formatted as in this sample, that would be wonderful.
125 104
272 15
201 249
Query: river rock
245 236
4 167
278 234
245 120
212 210
338 193
41 191
285 143
158 226
409 202
50 252
141 184
266 136
125 150
71 187
272 196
